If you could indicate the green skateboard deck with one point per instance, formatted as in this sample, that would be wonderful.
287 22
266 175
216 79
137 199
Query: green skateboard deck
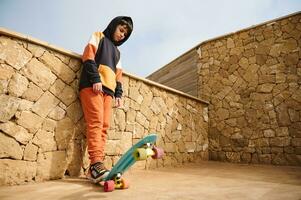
127 160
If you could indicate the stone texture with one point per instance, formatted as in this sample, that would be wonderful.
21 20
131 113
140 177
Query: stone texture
62 57
49 125
3 86
15 131
39 74
8 107
30 121
282 131
75 64
169 147
157 105
6 72
74 111
57 113
190 147
58 67
283 116
254 93
9 148
57 87
68 95
45 104
111 148
64 133
126 138
33 92
51 165
138 131
296 142
280 141
120 119
222 114
265 88
14 172
17 85
269 133
25 105
30 152
13 54
37 51
74 156
140 118
230 43
45 140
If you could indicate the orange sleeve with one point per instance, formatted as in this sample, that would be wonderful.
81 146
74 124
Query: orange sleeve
91 48
89 52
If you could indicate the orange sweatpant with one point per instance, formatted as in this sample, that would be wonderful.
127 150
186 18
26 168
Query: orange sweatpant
97 109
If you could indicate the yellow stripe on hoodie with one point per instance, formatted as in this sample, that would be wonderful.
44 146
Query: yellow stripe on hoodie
107 76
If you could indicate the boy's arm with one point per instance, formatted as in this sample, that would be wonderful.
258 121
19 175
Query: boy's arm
88 58
118 89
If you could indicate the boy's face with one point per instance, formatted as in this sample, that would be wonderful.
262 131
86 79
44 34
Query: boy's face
120 33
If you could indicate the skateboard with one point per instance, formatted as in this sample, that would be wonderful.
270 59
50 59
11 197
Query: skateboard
140 151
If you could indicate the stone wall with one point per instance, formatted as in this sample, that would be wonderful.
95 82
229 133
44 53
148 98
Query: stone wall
42 131
252 80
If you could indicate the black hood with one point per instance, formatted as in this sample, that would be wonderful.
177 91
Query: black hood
109 31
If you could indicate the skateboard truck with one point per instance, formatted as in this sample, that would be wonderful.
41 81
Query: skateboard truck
118 181
148 150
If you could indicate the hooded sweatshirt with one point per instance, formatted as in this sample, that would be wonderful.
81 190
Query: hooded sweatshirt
101 60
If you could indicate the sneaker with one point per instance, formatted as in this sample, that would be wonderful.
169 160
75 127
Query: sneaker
97 172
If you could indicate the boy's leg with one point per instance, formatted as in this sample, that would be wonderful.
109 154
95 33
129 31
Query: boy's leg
107 106
92 105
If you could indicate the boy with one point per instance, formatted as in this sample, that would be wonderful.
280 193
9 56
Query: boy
100 81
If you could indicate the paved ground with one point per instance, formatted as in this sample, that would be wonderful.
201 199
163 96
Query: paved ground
209 180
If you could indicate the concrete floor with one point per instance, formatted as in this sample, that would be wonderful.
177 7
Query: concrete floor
208 180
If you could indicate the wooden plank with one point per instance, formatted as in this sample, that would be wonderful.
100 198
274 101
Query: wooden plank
180 74
176 73
170 67
192 74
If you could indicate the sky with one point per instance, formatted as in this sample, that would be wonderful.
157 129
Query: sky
163 29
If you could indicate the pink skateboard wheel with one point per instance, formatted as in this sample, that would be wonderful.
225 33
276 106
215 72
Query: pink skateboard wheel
159 152
109 186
